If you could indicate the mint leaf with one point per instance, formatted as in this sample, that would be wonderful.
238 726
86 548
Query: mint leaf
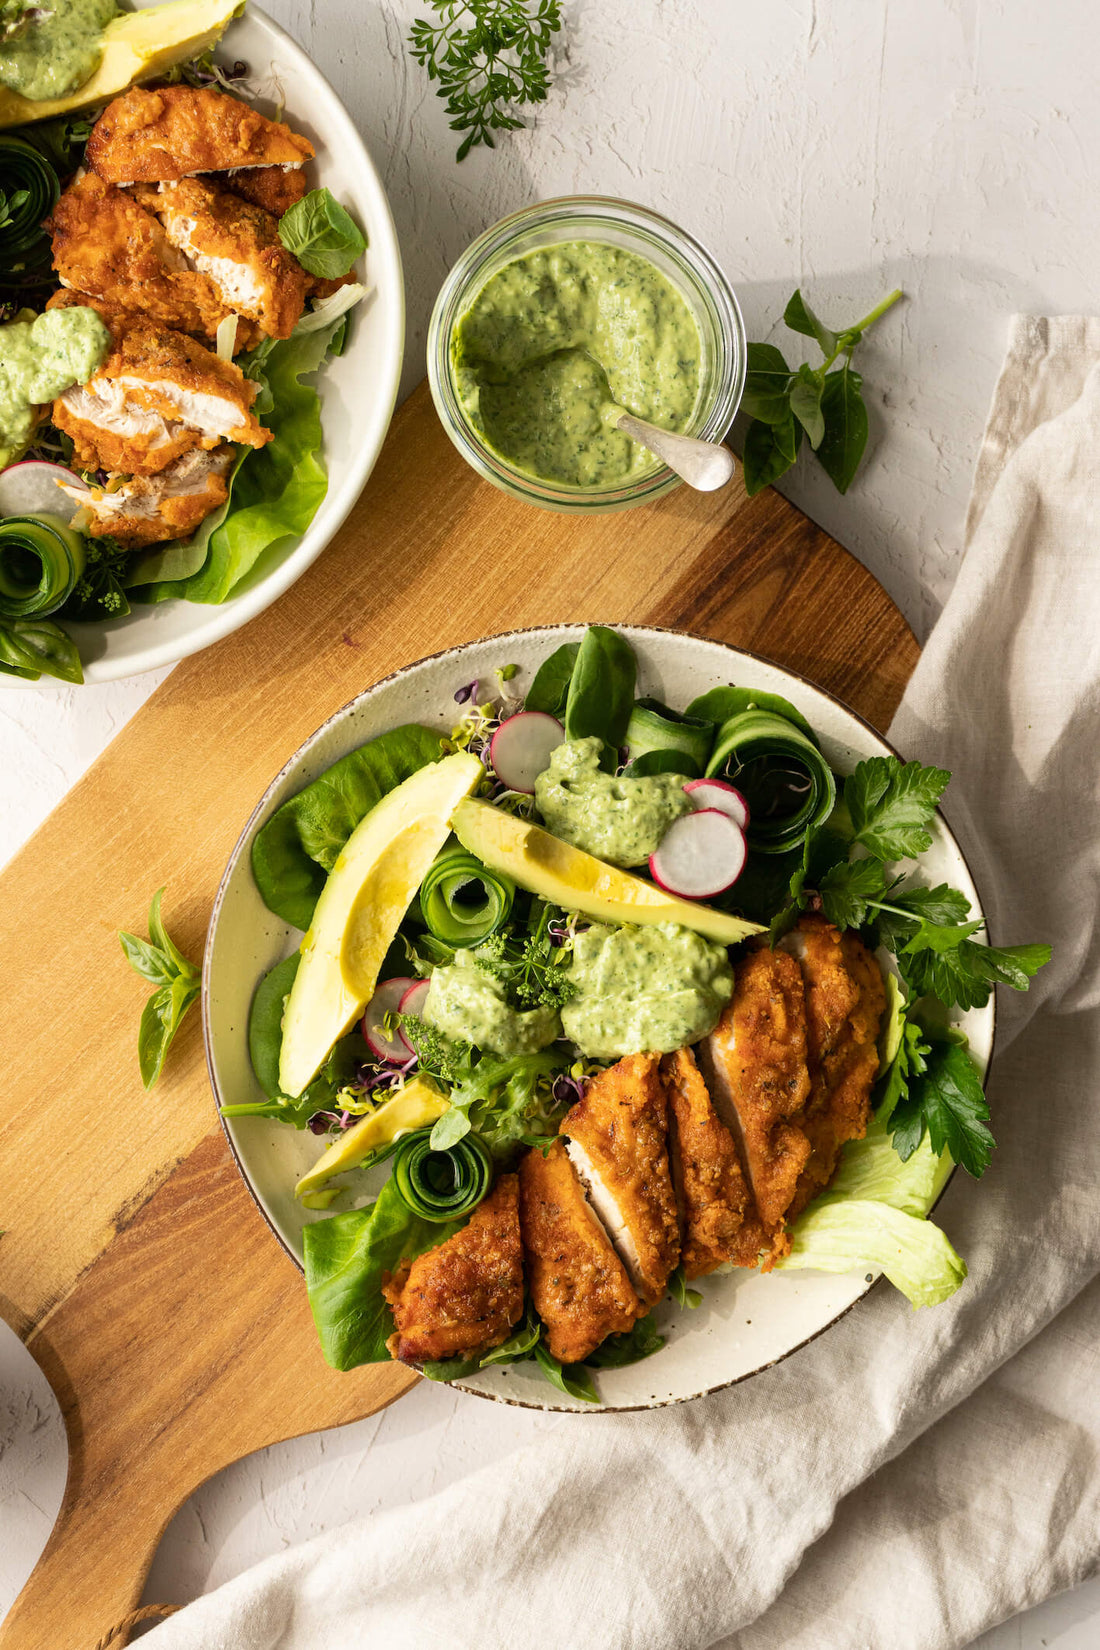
891 804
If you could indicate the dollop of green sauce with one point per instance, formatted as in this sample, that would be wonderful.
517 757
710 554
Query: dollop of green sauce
645 989
620 820
469 1006
557 343
57 51
41 359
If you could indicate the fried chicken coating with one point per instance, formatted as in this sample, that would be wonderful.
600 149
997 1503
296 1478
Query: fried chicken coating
578 1283
106 244
465 1295
148 136
275 188
158 395
236 246
845 1002
154 509
617 1139
711 1192
755 1066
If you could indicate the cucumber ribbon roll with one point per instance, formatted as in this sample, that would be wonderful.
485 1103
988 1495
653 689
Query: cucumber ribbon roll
462 901
789 786
41 559
442 1185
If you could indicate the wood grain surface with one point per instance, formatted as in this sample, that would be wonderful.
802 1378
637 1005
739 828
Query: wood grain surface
169 1321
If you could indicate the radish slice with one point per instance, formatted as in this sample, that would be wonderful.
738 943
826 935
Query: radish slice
34 487
716 793
701 854
415 997
387 999
520 748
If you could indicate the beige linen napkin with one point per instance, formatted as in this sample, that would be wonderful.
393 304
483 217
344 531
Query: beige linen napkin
910 1478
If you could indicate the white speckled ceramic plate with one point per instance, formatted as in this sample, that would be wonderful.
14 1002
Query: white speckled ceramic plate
357 389
747 1321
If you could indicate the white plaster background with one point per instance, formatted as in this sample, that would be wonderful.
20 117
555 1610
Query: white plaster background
946 146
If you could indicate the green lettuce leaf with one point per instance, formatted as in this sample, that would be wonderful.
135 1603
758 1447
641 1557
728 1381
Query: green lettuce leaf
853 1234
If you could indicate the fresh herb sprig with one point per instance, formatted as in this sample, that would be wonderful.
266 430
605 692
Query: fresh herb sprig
824 403
160 961
489 58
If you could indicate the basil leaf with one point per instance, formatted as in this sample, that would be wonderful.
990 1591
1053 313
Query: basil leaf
800 318
550 688
323 237
601 690
147 960
845 434
766 393
806 405
153 1035
161 937
770 450
572 1379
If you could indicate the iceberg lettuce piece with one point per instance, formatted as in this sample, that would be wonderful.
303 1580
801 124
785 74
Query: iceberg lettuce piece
856 1234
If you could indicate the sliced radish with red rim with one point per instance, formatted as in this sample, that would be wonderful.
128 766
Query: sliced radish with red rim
33 488
701 855
415 997
394 1048
520 748
716 793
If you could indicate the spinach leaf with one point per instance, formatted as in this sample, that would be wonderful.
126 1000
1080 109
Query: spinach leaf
345 1258
630 1348
550 688
720 703
265 1023
294 851
519 1346
572 1379
323 237
601 690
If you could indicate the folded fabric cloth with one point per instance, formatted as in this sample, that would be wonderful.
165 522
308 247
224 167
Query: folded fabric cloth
910 1478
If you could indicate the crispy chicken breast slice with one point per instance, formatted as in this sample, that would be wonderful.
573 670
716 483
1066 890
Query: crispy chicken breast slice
717 1222
154 509
148 136
157 395
578 1283
275 188
617 1139
237 246
465 1295
108 245
755 1066
845 1002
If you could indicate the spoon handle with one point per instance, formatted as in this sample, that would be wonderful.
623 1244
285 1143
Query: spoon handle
704 465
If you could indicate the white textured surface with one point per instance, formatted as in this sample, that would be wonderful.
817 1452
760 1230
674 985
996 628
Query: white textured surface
946 146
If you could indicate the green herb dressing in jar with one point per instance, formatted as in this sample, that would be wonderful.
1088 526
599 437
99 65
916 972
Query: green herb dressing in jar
557 343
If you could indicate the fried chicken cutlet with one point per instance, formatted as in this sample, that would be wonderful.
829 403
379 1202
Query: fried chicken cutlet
148 136
617 1140
845 1002
578 1283
465 1295
153 509
275 188
158 395
755 1066
716 1222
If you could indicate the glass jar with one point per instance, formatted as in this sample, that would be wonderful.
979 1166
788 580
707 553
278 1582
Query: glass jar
686 264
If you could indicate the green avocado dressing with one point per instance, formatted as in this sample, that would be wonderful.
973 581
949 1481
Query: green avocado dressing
53 47
651 988
620 820
39 360
469 1006
557 343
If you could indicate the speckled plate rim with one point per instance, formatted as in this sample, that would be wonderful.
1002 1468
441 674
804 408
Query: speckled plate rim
243 846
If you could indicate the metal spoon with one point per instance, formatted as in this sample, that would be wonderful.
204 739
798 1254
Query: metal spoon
704 465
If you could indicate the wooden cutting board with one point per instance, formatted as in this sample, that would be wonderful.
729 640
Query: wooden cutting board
170 1323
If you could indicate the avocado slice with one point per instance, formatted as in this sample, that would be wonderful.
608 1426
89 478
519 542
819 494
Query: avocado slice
136 46
568 877
368 891
413 1107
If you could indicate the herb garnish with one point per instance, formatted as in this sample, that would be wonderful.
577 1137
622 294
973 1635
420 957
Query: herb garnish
823 404
530 970
177 980
489 57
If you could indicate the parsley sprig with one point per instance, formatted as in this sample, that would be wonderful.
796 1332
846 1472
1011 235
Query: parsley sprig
489 58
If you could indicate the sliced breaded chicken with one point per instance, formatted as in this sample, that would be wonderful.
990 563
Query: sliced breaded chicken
154 509
465 1295
845 1002
711 1191
148 136
755 1066
578 1283
107 245
617 1139
275 188
157 395
237 246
